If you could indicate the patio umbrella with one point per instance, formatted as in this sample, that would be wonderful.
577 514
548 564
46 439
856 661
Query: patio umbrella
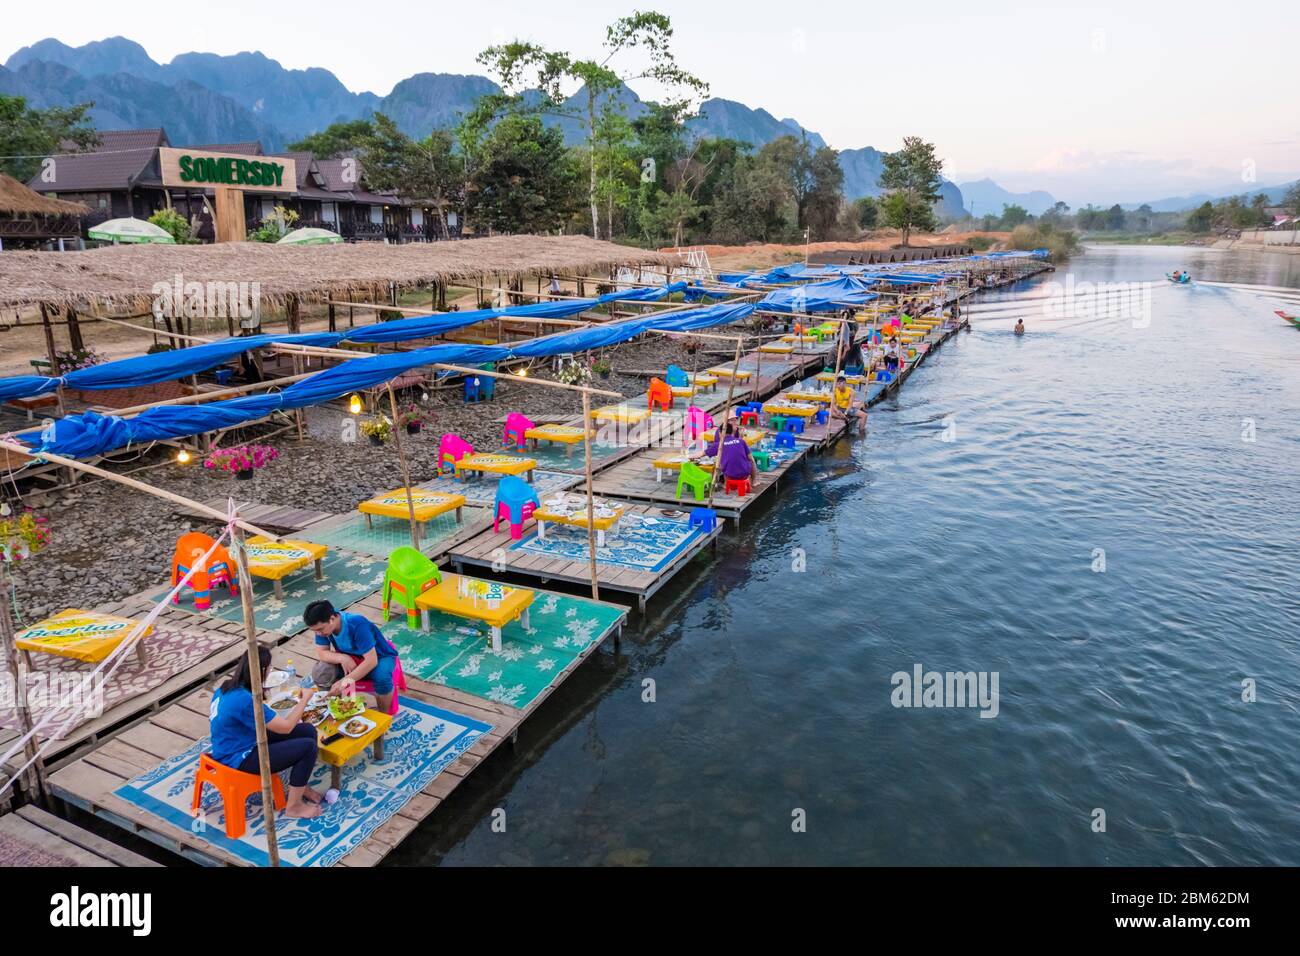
309 236
130 230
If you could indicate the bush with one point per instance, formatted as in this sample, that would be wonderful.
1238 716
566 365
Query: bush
175 224
1062 243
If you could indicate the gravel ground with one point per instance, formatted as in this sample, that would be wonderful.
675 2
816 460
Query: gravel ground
109 542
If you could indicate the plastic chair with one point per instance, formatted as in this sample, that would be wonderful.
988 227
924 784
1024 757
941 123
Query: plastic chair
697 421
695 478
661 392
785 440
235 788
705 519
677 378
739 485
452 448
516 426
749 417
409 574
399 683
794 424
220 569
516 501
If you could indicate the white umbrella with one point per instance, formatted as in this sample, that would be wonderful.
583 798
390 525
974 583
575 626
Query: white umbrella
130 230
309 236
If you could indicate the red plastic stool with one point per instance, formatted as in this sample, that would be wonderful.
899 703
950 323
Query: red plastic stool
748 418
739 485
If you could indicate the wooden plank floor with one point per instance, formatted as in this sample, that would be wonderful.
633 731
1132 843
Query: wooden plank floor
32 837
270 517
89 782
492 550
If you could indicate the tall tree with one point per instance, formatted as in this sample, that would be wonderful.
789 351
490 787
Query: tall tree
524 180
426 171
911 178
337 139
28 135
518 64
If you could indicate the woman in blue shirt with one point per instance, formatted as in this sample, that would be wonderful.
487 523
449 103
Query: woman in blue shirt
350 648
291 744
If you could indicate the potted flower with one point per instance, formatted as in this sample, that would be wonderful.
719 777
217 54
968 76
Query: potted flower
70 360
692 344
412 418
574 373
601 368
241 461
22 536
378 429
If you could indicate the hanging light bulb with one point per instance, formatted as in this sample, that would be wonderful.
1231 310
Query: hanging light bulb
354 404
5 510
183 456
523 373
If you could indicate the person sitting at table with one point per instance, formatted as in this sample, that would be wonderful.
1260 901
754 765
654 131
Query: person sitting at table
845 404
350 648
734 458
290 742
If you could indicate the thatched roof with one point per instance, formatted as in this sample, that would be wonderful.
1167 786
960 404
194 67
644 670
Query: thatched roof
17 200
121 278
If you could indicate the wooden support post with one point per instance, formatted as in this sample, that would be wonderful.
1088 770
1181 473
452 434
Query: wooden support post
333 323
406 473
20 691
75 341
291 313
298 417
591 500
255 678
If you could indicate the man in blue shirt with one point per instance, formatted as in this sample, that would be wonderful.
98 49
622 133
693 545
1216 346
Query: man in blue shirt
350 648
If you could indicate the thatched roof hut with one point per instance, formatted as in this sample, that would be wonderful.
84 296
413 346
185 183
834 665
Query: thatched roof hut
122 278
16 200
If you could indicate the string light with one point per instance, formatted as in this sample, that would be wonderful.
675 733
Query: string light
183 456
354 404
523 373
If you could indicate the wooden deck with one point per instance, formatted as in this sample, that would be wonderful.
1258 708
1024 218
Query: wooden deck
32 837
271 517
492 550
89 782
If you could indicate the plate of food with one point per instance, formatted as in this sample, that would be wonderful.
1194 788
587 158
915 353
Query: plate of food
283 703
274 679
316 715
356 727
341 708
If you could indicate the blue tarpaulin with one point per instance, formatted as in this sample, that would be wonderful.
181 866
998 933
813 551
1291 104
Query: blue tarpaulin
819 296
80 436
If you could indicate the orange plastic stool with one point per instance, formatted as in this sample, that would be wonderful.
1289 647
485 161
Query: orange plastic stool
659 392
235 788
739 485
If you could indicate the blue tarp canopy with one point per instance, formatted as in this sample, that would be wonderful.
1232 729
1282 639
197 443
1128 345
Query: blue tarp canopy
80 436
819 296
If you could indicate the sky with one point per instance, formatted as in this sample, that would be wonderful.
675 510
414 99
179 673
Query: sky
1092 102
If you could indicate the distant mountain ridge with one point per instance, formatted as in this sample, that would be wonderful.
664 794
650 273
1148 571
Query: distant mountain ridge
213 98
985 197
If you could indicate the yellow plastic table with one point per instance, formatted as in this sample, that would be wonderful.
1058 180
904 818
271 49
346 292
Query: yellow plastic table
742 375
782 407
578 518
849 379
494 604
501 464
702 381
623 414
752 436
276 560
807 395
673 462
776 348
428 504
800 339
87 636
336 754
682 391
567 435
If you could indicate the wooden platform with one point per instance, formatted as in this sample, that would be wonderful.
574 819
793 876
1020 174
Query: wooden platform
634 480
89 782
492 550
31 837
270 517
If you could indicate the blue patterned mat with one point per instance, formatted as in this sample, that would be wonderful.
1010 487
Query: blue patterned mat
423 741
639 542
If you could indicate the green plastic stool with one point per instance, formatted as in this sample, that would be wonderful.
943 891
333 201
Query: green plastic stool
776 422
762 459
410 574
696 478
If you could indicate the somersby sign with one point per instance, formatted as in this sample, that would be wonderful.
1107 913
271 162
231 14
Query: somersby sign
203 170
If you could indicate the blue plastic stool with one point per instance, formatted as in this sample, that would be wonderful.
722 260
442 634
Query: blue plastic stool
823 416
794 425
755 407
785 440
704 518
224 375
474 391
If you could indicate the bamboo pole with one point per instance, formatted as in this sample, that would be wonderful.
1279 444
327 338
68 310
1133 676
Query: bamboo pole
209 396
20 692
591 501
259 717
406 472
132 483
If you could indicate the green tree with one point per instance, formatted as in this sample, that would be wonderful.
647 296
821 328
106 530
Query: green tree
1115 218
426 171
1201 219
866 212
911 179
337 139
28 135
174 223
525 179
1291 200
518 65
1013 215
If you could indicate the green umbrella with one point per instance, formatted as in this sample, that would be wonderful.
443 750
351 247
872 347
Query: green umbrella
309 236
130 230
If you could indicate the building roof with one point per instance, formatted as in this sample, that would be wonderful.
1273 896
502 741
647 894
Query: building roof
94 172
250 148
112 140
123 277
17 200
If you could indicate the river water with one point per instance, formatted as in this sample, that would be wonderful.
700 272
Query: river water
1105 513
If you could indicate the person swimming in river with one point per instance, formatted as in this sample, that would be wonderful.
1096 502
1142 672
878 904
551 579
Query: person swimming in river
1020 327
